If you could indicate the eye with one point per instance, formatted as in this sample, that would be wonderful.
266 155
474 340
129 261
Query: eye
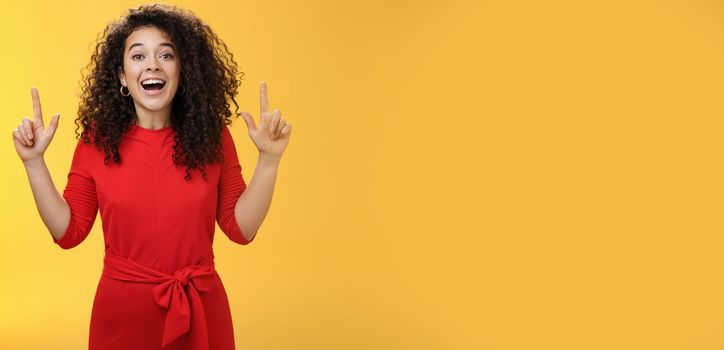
167 55
134 56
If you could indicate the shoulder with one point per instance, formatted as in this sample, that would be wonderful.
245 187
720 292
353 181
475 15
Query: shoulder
225 131
86 143
226 138
228 149
86 149
84 157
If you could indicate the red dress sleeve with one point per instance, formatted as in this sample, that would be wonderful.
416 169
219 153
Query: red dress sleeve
80 194
231 186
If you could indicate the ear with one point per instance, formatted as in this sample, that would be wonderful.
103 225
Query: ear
122 76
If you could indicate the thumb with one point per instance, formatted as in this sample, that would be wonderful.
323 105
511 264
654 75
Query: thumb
53 124
249 120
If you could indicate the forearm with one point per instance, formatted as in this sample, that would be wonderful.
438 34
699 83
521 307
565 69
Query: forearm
52 207
254 203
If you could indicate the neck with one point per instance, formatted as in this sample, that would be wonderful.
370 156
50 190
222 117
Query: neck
153 119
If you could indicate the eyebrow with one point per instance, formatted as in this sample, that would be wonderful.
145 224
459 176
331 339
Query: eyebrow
161 44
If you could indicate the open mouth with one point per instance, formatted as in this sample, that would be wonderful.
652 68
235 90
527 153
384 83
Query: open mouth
153 84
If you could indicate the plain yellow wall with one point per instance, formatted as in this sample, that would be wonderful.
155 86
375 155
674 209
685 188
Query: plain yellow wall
461 174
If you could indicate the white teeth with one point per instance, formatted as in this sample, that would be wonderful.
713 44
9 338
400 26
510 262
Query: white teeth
152 81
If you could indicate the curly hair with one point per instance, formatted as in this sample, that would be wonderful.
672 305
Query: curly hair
208 74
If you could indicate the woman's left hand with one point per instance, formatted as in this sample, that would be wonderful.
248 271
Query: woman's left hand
272 135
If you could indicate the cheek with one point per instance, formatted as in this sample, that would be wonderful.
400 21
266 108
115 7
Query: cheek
132 74
174 69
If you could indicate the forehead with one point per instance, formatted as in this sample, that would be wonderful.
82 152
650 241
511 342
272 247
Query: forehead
147 36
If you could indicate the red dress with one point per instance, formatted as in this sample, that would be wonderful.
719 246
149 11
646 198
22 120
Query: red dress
159 288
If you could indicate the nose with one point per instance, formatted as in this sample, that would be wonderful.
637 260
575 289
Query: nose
152 65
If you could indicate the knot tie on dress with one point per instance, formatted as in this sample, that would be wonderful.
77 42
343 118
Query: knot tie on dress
177 293
182 276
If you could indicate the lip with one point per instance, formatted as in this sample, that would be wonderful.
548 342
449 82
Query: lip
153 92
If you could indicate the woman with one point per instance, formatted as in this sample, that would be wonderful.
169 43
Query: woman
156 157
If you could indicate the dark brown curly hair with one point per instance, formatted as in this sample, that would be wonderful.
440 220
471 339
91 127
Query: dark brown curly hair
208 75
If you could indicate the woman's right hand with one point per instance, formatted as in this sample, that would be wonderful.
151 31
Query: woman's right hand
31 138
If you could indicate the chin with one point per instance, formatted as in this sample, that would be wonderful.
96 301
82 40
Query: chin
154 107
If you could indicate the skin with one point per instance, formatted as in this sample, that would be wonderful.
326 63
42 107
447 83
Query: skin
149 53
271 137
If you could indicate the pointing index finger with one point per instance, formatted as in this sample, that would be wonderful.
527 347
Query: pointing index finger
264 99
37 111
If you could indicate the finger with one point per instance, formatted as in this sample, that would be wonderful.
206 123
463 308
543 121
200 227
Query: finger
248 119
37 111
279 128
18 136
53 124
264 102
264 120
274 121
17 142
28 128
23 134
287 129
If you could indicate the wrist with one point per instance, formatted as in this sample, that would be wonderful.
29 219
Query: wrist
34 162
267 159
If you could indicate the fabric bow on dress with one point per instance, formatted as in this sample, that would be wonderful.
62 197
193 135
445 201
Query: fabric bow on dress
179 294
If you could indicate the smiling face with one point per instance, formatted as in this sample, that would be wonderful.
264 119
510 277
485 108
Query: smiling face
151 71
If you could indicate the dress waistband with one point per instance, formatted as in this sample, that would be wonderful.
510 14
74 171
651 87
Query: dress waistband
178 294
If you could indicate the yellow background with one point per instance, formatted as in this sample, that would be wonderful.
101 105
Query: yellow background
461 174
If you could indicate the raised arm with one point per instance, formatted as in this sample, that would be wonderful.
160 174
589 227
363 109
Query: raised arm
31 139
271 138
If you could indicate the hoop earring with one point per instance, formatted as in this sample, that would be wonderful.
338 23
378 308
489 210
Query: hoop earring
129 91
183 91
